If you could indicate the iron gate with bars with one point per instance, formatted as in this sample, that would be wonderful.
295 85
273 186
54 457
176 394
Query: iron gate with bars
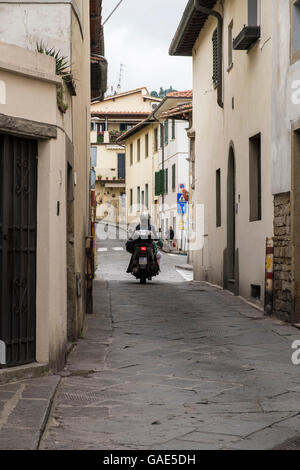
18 227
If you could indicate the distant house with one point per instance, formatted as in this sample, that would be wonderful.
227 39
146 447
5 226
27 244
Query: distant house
141 144
172 176
111 118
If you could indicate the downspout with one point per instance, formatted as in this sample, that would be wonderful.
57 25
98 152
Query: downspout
209 12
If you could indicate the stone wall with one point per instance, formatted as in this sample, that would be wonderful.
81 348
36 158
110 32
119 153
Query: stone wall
283 303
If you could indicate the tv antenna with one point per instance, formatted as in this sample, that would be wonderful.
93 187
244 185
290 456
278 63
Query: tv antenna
121 74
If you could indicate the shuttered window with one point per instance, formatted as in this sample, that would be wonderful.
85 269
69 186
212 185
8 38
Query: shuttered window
173 177
147 196
139 150
131 154
215 57
173 129
160 183
146 145
156 139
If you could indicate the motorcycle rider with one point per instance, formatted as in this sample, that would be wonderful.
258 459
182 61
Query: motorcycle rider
145 226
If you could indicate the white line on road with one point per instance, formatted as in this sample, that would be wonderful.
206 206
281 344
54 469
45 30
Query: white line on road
173 255
118 248
101 250
187 275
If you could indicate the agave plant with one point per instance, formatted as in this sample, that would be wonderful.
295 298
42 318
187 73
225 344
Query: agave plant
62 65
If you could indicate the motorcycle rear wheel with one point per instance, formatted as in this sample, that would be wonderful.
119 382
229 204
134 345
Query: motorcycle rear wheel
143 280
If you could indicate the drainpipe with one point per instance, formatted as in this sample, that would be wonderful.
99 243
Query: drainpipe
208 11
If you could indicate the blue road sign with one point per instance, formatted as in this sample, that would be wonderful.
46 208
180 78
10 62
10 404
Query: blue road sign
182 208
180 198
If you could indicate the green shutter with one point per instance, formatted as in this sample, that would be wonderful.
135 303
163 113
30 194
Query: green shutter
174 177
160 182
215 57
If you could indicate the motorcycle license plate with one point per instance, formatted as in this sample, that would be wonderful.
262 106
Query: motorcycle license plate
143 261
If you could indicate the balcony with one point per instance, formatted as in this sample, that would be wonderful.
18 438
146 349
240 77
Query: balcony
108 138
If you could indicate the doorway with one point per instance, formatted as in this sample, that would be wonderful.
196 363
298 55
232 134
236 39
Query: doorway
231 223
18 233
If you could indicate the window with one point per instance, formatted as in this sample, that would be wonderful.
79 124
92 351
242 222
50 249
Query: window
143 200
230 45
166 132
296 26
146 145
173 129
159 183
121 166
131 154
161 128
100 127
139 150
131 199
138 198
255 178
125 127
253 12
156 139
218 199
147 196
174 177
215 58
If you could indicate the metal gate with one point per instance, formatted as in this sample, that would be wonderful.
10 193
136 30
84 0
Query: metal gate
18 226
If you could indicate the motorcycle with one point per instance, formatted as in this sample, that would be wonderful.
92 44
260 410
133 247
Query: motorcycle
143 264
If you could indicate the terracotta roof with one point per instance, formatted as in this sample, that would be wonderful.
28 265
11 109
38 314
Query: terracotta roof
114 113
181 94
178 110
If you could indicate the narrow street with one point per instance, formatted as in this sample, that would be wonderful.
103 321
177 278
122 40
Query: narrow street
174 365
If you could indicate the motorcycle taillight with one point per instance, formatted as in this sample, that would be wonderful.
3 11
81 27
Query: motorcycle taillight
143 248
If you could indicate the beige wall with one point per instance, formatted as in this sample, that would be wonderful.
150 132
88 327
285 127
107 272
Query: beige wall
81 142
31 88
132 102
248 82
24 95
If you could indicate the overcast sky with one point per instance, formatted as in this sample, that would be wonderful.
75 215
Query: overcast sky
139 35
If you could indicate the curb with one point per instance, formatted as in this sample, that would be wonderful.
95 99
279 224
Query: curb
30 371
48 412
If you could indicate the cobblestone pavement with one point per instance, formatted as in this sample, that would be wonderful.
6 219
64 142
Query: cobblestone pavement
24 408
174 365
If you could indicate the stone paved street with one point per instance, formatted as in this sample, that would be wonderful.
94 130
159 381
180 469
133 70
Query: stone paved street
174 365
